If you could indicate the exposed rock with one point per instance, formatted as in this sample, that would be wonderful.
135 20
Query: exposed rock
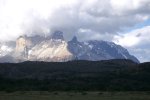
55 49
57 35
51 50
23 44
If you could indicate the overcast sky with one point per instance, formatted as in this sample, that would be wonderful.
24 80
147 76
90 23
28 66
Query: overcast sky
125 22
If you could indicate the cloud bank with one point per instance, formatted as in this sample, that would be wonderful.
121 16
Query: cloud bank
101 17
87 19
137 42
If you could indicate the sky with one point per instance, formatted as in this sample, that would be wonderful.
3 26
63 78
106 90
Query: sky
125 22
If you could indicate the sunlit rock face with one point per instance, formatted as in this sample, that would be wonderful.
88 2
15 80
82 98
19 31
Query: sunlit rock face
23 44
50 50
54 48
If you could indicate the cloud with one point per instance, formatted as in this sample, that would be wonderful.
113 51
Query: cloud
70 16
140 53
87 19
134 38
137 42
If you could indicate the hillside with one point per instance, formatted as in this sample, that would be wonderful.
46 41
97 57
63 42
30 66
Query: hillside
120 75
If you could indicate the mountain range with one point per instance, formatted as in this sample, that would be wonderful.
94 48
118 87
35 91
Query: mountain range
55 48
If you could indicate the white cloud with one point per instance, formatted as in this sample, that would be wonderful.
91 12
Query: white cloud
88 19
39 16
137 42
24 16
134 38
140 53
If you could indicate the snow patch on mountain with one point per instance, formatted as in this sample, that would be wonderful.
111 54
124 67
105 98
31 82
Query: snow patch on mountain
54 48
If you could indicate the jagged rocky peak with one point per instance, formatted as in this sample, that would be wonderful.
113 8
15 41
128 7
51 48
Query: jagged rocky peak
95 50
23 43
57 35
20 43
55 48
74 39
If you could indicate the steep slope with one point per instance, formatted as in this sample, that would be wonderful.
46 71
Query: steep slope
110 75
98 50
54 48
50 50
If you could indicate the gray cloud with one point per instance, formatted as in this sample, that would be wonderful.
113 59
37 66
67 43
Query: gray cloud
99 16
141 53
87 19
137 42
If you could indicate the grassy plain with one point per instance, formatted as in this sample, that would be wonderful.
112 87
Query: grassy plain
37 95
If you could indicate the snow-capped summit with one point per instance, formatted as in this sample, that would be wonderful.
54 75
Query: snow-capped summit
55 48
98 50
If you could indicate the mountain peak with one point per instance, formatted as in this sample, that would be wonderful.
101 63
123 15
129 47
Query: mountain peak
54 48
22 37
57 35
74 39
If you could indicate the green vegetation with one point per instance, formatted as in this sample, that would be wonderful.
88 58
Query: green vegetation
34 95
113 75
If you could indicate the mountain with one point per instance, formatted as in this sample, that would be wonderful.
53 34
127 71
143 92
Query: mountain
98 50
54 48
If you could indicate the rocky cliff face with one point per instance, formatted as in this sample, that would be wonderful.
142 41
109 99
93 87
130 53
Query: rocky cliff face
21 47
50 50
98 50
54 48
23 44
38 48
